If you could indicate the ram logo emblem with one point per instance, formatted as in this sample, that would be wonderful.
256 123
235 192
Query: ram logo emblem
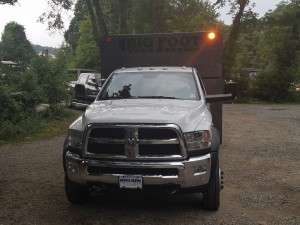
131 143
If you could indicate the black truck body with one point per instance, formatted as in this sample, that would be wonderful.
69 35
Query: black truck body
190 49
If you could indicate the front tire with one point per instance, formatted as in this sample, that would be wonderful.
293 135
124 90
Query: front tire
211 196
76 193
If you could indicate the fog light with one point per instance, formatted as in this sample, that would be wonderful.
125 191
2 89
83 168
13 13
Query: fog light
199 170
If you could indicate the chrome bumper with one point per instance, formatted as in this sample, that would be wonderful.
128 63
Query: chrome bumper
191 173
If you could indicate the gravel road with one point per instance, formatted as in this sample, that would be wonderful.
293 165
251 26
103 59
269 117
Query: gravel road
260 157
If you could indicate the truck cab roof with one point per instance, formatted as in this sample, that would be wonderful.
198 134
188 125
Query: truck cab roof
156 68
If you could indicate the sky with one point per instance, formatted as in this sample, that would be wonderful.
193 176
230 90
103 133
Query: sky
27 12
261 7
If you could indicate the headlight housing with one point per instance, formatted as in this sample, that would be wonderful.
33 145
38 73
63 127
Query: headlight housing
198 140
75 139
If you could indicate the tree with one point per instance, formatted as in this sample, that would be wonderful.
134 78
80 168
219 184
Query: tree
72 34
246 49
14 45
131 16
87 53
147 15
128 16
189 15
123 12
10 2
238 8
53 17
94 8
280 51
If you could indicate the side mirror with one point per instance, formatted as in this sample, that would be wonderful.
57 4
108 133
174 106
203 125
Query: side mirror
230 93
218 98
231 87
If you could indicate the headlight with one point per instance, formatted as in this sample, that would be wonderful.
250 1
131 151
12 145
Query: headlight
75 139
198 140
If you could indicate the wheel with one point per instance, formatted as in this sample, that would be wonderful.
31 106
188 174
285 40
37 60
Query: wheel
211 196
76 193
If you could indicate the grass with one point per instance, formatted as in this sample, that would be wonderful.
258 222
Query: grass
50 129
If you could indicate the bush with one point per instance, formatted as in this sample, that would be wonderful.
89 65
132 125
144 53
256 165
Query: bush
274 86
45 82
16 118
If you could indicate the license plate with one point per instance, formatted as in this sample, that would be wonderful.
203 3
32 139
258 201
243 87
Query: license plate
131 182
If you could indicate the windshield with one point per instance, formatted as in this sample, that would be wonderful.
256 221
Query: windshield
83 78
170 85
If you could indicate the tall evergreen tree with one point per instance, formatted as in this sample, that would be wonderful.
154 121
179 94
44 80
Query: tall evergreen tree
15 45
72 34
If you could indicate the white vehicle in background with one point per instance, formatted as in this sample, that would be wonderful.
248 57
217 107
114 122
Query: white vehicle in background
86 88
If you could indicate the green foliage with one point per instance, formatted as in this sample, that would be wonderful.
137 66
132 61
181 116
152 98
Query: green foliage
51 79
141 16
15 46
44 82
151 16
134 16
72 34
16 118
111 11
87 54
10 2
43 129
189 15
67 55
279 52
271 46
238 9
246 49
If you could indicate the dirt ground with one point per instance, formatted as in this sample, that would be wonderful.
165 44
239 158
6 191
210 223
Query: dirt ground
260 157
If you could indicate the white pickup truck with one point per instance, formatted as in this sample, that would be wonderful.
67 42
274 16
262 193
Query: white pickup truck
157 121
149 128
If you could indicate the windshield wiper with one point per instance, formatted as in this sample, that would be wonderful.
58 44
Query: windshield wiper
110 98
154 96
137 97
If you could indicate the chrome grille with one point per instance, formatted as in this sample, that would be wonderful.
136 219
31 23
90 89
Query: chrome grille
132 142
94 170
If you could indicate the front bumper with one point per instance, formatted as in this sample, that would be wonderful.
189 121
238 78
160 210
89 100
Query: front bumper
191 173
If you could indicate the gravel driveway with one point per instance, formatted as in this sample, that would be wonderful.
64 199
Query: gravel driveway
260 157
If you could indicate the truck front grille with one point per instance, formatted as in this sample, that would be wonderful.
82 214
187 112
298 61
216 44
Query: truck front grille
93 170
134 142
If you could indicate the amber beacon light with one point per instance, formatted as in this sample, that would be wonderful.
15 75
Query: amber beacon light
211 35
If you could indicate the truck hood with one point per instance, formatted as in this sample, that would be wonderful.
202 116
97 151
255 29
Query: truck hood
187 114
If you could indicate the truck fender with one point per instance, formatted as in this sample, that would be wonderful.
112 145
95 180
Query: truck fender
215 145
